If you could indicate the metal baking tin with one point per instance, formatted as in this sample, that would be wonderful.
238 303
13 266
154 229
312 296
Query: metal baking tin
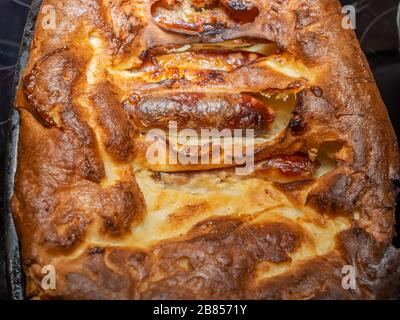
14 271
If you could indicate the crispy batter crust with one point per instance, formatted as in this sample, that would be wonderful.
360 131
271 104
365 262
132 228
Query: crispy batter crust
115 227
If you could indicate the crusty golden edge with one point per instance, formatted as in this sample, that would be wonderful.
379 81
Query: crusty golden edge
52 160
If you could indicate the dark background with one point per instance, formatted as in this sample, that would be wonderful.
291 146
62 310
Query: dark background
376 29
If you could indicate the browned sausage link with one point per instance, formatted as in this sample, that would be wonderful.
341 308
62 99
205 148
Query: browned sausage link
285 168
198 17
200 111
198 4
230 59
241 11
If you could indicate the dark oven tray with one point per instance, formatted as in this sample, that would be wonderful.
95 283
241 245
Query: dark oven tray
14 272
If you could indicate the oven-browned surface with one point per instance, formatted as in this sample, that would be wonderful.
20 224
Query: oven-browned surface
115 226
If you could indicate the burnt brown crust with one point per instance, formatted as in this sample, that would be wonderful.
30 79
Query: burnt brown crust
80 205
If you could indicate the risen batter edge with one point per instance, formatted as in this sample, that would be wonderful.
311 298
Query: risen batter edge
85 202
